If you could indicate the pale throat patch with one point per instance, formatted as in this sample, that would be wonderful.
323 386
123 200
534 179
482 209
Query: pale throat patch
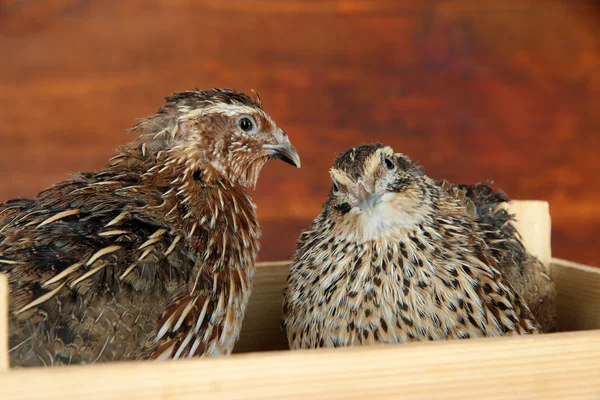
392 218
394 214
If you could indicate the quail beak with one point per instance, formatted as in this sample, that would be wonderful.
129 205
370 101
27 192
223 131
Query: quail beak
285 152
364 192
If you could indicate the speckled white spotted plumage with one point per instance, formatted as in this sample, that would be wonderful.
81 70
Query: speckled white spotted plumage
395 257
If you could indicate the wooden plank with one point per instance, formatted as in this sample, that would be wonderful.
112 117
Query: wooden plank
552 366
578 295
3 322
261 329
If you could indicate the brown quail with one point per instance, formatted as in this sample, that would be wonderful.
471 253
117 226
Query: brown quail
153 256
395 256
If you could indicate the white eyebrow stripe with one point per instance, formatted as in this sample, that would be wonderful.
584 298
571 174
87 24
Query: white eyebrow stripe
226 109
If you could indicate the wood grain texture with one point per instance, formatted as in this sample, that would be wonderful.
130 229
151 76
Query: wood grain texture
554 366
578 300
261 329
473 90
534 224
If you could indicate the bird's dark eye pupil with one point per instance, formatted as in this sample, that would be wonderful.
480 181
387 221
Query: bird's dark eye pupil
245 124
335 187
389 164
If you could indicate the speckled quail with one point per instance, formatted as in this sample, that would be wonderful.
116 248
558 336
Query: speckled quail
395 256
153 256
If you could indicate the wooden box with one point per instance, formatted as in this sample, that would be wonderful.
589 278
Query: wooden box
559 365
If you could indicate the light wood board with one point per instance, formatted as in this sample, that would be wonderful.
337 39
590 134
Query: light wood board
534 225
578 300
554 366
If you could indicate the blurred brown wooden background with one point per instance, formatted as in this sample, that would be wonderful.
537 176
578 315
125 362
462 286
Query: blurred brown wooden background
473 89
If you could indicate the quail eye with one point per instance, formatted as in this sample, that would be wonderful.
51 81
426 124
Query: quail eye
246 124
335 187
389 164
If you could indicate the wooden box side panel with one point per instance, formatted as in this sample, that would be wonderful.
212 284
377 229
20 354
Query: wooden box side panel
261 329
578 300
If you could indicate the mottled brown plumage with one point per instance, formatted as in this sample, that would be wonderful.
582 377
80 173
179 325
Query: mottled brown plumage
153 256
395 257
524 271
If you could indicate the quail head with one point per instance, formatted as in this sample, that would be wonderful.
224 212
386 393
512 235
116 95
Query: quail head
395 256
153 256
